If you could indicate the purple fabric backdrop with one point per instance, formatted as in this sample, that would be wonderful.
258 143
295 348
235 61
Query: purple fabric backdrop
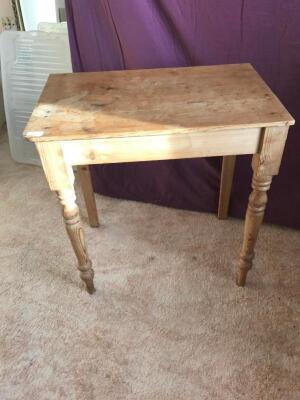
114 34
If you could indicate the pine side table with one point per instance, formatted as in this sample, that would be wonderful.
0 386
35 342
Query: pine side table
158 114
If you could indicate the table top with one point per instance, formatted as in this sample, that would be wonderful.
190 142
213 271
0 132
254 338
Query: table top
92 105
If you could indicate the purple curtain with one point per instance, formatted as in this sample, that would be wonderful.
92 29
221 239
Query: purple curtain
129 34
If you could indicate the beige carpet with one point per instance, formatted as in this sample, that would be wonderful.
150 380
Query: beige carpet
167 321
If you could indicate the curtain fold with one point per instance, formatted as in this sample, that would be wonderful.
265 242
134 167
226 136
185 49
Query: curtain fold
129 34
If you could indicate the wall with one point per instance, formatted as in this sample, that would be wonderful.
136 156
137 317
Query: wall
35 11
59 4
5 10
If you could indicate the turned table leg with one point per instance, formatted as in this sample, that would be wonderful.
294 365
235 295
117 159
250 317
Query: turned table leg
254 217
60 177
73 226
265 165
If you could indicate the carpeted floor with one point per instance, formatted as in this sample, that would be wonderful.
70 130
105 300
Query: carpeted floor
167 321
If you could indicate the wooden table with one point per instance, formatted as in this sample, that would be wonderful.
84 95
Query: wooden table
158 114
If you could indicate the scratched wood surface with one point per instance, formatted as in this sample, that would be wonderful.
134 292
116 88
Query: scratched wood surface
154 102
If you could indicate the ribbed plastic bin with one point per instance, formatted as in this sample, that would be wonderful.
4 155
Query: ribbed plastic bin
27 59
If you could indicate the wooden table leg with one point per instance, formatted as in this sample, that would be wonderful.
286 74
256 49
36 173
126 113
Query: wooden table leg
254 217
264 165
74 229
228 165
60 178
84 176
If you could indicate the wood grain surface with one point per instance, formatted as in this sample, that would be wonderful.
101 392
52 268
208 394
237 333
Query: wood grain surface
154 102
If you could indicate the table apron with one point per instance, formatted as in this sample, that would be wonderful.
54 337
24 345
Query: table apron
161 147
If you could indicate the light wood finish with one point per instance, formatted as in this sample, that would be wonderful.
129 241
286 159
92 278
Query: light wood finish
265 165
59 174
153 102
227 173
254 217
84 177
164 147
144 115
73 226
60 178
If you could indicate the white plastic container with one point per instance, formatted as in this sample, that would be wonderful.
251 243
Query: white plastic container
27 59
